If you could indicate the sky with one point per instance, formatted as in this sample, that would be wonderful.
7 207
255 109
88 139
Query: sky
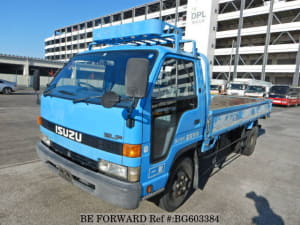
25 24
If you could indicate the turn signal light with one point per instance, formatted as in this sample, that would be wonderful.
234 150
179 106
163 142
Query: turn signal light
132 151
39 120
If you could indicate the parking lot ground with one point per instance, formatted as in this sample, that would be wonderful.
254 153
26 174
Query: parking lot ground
260 189
18 129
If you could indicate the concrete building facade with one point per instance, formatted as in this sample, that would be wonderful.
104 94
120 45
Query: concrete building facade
242 38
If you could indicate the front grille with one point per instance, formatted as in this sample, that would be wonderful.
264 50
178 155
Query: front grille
74 157
90 140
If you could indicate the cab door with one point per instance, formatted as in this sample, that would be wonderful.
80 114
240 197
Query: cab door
176 117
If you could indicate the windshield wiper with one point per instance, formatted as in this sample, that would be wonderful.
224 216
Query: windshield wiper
86 98
109 99
66 92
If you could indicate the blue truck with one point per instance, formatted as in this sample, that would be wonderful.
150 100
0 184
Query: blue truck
132 120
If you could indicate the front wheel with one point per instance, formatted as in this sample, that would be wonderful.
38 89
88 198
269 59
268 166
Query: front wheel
7 91
179 186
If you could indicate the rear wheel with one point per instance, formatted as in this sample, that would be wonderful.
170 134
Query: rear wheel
250 142
7 91
179 187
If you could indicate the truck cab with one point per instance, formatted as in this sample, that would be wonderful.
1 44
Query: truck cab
238 86
259 89
113 113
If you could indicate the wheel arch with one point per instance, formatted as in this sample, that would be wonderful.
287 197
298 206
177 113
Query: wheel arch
190 151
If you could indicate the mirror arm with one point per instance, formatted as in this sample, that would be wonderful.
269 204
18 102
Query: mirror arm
129 119
38 102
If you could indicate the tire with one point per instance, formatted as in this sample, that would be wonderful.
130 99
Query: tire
250 141
179 186
7 91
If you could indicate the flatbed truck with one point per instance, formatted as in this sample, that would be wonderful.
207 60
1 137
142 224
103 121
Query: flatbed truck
130 121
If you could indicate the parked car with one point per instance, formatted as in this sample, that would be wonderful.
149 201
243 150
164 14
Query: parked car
285 95
7 87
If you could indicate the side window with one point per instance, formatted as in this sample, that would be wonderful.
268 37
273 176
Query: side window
165 86
186 81
176 79
173 94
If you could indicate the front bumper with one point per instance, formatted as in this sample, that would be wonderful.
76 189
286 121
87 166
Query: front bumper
120 193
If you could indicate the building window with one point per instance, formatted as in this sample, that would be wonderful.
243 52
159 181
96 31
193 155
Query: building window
98 22
82 26
75 28
154 8
89 24
82 36
183 2
89 35
116 17
106 19
81 45
128 14
140 11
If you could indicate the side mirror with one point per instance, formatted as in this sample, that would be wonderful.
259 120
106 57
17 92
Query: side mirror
136 78
36 80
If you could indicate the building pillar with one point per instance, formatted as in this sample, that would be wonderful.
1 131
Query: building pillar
296 74
267 41
26 68
238 39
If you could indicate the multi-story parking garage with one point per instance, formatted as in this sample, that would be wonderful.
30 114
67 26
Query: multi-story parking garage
20 69
242 38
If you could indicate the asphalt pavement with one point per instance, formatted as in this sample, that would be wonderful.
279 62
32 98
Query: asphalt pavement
261 189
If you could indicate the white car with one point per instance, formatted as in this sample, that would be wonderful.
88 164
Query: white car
7 87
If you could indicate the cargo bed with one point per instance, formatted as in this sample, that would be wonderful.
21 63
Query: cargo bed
229 112
224 101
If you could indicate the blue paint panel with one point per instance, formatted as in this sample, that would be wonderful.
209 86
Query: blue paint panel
154 27
89 118
229 118
93 120
187 132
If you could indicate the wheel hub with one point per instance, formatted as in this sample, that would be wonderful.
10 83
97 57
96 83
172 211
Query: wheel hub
181 184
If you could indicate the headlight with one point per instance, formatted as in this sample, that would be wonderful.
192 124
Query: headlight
133 174
45 140
128 173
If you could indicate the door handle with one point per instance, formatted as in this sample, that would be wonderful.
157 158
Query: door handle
196 122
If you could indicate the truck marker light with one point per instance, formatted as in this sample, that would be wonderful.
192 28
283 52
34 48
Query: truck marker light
39 120
149 188
132 151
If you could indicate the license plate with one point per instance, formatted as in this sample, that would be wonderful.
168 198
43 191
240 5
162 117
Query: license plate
65 174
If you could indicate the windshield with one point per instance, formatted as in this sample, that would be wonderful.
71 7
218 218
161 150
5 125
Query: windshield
283 90
94 74
214 87
238 86
256 89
